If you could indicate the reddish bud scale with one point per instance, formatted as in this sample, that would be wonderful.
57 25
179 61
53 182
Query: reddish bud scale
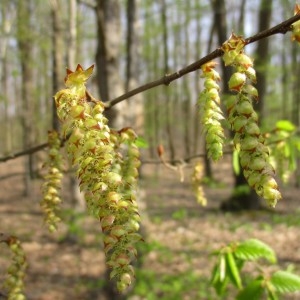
160 150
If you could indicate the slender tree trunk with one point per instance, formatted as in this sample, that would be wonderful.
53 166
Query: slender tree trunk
241 199
7 15
135 117
107 57
72 46
170 138
296 100
197 82
25 45
108 79
58 51
188 116
207 161
262 55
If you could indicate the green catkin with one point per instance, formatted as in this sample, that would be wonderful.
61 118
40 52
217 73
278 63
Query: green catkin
14 281
106 163
197 182
211 113
254 155
52 182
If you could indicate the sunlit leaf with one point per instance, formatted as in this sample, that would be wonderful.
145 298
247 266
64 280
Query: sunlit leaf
285 282
285 125
233 271
236 162
253 249
141 142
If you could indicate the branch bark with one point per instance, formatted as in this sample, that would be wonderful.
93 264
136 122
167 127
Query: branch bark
281 28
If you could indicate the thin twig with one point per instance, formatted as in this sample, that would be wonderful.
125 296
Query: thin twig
282 28
24 152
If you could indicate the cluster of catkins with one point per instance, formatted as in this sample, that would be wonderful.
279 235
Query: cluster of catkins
52 182
244 122
14 282
197 183
211 113
107 164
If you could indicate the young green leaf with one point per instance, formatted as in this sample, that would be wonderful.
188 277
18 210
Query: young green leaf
285 282
285 125
254 290
141 142
219 279
233 271
236 162
272 295
253 249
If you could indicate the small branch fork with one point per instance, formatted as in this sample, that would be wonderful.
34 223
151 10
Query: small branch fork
281 28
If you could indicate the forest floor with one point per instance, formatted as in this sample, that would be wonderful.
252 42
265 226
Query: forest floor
180 236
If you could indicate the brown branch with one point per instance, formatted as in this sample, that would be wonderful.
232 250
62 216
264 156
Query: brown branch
24 152
282 28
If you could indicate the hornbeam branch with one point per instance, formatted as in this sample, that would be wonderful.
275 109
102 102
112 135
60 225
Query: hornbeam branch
23 152
282 28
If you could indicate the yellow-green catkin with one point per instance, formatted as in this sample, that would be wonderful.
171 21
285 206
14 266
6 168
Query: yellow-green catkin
210 112
254 155
197 183
14 282
52 182
296 25
99 155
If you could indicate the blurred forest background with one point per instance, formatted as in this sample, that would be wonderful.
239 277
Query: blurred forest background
133 42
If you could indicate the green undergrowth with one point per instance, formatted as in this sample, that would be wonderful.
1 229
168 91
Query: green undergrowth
184 285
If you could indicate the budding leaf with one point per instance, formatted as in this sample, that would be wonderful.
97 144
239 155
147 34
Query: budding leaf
285 282
253 249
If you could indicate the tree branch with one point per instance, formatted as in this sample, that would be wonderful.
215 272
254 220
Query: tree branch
282 28
24 152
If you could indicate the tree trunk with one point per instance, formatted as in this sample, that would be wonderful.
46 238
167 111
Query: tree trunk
57 55
135 106
170 138
262 55
7 15
25 45
109 81
242 198
187 113
107 58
